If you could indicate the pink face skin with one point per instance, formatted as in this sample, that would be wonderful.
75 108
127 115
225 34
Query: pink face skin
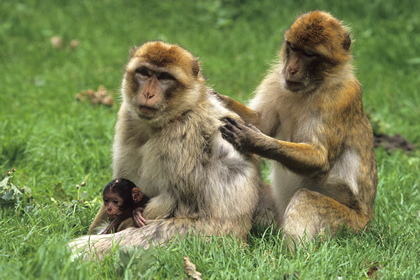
113 204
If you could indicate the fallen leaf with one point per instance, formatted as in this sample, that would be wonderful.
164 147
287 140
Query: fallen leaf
373 269
190 269
56 42
98 97
391 143
74 44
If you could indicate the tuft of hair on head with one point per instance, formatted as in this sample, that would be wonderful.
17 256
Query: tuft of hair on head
121 186
321 31
163 54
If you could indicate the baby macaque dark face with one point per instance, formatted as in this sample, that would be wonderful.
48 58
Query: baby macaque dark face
113 204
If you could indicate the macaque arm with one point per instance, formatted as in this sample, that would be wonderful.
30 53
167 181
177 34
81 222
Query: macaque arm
302 158
246 113
160 207
100 218
114 224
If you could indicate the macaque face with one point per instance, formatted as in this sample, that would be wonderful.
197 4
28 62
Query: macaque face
155 86
113 205
302 68
158 77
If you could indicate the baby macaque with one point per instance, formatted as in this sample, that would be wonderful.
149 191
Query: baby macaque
123 200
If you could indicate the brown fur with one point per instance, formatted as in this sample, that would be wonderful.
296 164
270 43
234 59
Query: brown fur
315 131
196 181
320 31
124 204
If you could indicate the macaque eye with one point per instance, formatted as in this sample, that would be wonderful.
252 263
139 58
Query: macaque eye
143 71
165 76
309 54
291 46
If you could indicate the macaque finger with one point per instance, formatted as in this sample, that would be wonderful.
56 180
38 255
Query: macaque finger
227 133
232 122
139 221
254 128
138 218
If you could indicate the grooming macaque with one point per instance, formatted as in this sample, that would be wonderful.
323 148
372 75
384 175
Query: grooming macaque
311 124
167 141
122 201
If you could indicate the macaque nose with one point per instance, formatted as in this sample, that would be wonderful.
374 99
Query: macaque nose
292 70
149 95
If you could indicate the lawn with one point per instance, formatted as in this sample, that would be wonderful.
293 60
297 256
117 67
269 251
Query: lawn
56 142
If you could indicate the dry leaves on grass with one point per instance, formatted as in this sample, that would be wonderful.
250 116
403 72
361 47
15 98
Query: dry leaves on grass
390 143
58 43
190 269
101 96
373 270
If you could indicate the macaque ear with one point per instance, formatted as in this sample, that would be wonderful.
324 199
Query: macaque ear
137 194
347 42
133 51
195 67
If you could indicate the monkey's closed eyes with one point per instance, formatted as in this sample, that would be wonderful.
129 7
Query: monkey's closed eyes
144 71
165 76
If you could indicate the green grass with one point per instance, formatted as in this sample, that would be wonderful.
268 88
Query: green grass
55 142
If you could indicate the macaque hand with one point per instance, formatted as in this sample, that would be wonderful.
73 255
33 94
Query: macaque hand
138 219
241 136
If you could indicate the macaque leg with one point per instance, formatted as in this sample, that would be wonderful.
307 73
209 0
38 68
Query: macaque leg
266 213
101 217
310 214
154 233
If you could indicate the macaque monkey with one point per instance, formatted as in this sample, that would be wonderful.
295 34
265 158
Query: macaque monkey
311 124
167 141
122 201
